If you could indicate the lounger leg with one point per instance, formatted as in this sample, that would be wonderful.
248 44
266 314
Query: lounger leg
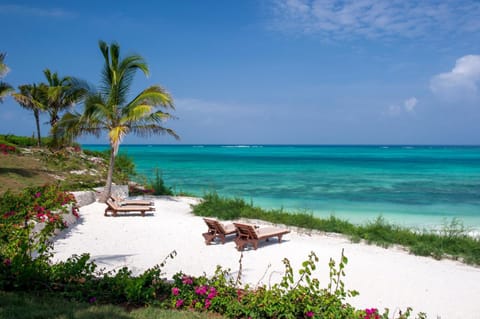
209 237
240 243
280 238
142 213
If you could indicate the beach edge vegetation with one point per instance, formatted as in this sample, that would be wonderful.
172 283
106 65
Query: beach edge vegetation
452 241
26 267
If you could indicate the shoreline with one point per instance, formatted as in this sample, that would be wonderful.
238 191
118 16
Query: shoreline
384 277
412 187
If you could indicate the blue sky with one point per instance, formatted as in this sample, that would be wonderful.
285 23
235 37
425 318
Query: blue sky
268 72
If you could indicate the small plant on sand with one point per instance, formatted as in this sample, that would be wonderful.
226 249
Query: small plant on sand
158 185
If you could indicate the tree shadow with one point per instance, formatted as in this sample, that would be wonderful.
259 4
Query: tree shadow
18 171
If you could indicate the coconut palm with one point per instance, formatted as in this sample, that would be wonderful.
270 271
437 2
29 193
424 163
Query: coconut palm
110 110
61 94
5 88
32 97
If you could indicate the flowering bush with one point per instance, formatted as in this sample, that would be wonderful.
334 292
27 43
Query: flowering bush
193 293
7 149
302 298
27 222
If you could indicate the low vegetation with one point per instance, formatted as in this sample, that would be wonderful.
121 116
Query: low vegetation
452 241
25 165
31 305
25 266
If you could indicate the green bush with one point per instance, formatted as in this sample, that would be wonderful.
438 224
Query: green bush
451 241
158 185
25 266
302 298
23 141
28 221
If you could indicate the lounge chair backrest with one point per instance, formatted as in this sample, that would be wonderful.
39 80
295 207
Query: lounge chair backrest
210 223
220 227
115 199
215 225
112 204
246 230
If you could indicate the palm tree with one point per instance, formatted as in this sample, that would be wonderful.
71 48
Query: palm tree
32 97
5 88
61 94
110 109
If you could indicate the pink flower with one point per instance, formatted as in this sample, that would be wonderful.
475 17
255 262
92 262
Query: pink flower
7 262
6 215
371 313
207 304
213 293
179 303
187 280
309 314
38 194
175 291
201 290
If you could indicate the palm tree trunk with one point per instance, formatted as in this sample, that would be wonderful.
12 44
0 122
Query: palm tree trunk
108 186
37 121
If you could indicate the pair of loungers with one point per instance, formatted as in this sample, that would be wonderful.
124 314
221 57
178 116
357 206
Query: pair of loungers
245 233
115 206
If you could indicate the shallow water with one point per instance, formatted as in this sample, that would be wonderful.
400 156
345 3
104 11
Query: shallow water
409 185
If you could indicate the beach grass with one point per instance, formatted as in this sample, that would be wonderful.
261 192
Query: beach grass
22 305
452 241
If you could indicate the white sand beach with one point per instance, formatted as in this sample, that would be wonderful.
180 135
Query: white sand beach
384 277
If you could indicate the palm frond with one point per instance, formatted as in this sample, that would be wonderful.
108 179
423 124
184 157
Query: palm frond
153 129
160 117
31 97
5 89
154 95
3 67
137 113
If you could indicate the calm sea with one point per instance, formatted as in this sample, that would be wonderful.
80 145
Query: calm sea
409 185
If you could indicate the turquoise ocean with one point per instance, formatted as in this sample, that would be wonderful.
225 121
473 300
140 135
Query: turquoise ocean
413 186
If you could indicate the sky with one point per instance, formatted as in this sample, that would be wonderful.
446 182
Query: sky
265 71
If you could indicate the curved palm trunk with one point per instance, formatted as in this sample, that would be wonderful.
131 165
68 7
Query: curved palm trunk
108 186
37 122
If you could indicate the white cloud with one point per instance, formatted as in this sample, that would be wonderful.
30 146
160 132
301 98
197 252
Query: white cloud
375 18
33 11
410 104
461 82
408 107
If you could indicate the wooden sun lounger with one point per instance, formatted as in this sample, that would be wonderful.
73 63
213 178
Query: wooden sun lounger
122 202
248 234
217 230
114 208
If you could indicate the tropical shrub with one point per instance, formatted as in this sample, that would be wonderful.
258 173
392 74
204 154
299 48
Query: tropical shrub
452 241
28 221
7 149
158 185
301 298
25 265
22 141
